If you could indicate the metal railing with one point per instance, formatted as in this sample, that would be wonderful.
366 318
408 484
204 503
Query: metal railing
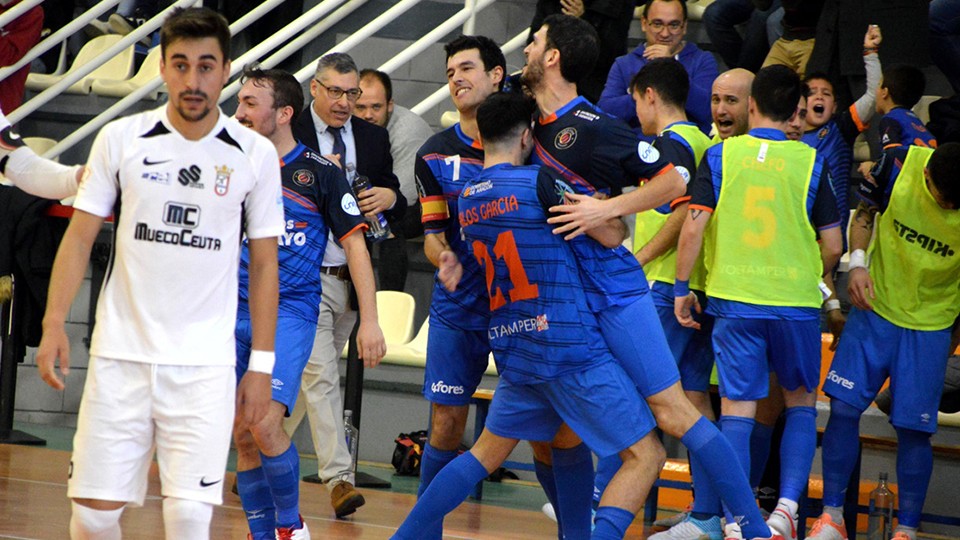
57 37
297 27
18 10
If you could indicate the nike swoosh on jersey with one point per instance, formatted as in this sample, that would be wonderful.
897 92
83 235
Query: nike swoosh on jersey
146 161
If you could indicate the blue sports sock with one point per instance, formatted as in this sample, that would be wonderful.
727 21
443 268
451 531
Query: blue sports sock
706 500
737 430
283 475
452 486
796 451
612 523
606 468
713 452
431 463
573 473
545 477
841 444
257 503
914 467
759 452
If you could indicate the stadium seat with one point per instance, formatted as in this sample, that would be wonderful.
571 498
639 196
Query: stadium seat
40 144
413 353
121 88
449 118
119 67
396 316
922 108
861 149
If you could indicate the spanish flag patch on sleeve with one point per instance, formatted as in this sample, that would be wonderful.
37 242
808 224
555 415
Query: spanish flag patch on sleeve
434 208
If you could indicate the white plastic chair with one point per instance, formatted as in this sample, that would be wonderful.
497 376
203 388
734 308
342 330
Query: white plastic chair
148 70
119 67
40 144
396 316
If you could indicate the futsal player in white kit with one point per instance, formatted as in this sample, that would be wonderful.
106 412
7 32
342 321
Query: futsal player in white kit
180 182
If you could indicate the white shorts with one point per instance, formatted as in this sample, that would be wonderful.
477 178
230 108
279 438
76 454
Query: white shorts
131 408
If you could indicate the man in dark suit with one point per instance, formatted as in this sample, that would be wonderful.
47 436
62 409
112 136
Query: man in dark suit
362 149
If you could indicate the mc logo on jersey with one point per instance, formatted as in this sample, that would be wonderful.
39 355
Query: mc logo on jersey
222 183
181 215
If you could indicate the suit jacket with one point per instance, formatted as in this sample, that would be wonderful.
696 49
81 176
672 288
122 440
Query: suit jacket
373 156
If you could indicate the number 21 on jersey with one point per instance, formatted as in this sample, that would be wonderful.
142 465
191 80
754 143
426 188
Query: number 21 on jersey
504 250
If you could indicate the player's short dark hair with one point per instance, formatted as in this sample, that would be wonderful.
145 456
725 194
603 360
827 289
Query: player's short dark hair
776 91
578 44
195 23
285 88
804 90
905 83
490 53
503 115
380 76
648 3
944 167
667 77
819 76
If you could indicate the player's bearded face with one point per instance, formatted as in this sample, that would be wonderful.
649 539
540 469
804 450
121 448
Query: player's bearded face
532 73
255 108
195 73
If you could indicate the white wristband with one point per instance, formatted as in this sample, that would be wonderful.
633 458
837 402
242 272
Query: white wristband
261 361
858 259
831 305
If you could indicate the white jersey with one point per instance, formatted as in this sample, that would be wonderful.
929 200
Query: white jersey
170 291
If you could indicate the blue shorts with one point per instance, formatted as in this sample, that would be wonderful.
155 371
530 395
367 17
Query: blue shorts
456 360
692 349
747 350
635 337
293 344
600 404
872 349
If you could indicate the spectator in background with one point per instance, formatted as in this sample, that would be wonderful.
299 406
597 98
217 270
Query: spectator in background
799 28
16 39
665 25
721 19
728 103
945 39
407 133
836 50
610 18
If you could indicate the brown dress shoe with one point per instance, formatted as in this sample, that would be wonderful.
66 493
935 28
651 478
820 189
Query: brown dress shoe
345 499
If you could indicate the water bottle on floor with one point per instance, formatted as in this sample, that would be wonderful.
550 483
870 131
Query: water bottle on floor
352 436
880 523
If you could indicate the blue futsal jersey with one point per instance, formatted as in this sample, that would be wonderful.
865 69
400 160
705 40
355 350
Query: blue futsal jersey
834 143
541 326
443 163
316 199
901 126
595 152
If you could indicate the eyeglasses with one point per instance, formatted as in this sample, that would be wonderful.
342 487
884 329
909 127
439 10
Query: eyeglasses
657 25
334 92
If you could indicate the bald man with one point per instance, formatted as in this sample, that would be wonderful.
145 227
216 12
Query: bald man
728 103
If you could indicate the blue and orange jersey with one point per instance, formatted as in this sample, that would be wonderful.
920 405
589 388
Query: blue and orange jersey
594 152
541 326
444 163
316 200
834 143
902 126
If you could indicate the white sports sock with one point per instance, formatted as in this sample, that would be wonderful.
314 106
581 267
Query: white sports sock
89 524
183 518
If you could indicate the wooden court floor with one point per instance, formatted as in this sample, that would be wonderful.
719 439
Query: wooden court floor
33 505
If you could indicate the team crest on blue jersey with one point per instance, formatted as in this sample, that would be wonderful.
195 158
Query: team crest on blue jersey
565 138
222 183
824 131
542 323
303 178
